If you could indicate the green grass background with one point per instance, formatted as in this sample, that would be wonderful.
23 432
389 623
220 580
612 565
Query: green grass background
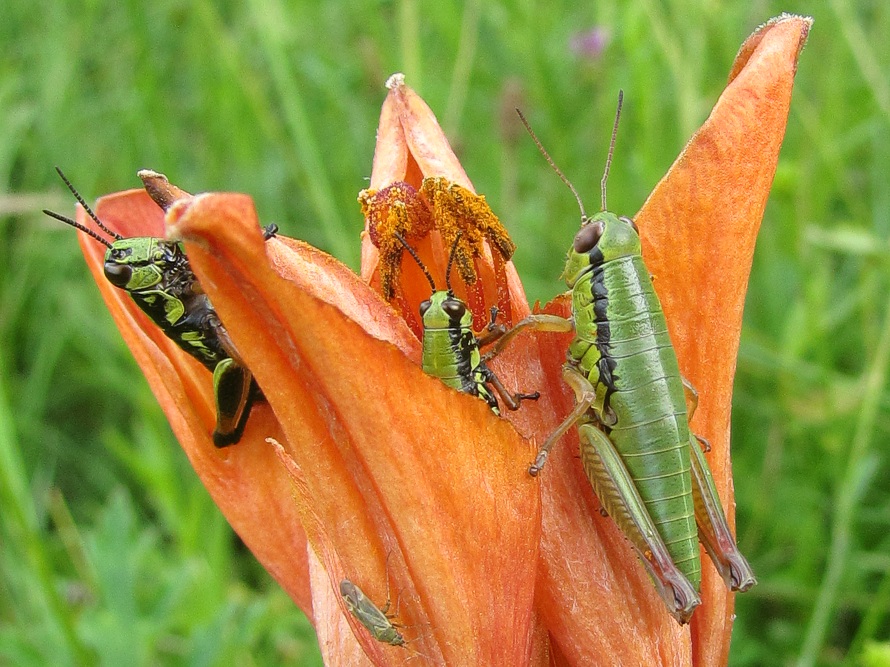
110 550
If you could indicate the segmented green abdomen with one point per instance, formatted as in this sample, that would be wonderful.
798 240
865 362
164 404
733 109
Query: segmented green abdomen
452 355
623 346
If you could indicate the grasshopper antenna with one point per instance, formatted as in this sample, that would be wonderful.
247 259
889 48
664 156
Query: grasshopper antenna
611 148
413 253
85 230
87 208
553 165
451 262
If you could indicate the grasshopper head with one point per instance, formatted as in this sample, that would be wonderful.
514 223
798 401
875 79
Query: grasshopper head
137 263
602 237
443 310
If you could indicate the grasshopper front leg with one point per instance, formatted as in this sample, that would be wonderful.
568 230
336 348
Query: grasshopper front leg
713 529
501 337
584 398
512 401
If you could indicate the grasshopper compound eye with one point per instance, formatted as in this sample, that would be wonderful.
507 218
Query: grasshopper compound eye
118 274
588 237
425 306
454 308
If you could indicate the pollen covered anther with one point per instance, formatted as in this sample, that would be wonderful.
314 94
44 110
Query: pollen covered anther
396 209
451 210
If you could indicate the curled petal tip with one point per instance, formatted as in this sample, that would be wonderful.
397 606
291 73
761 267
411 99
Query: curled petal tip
795 30
425 146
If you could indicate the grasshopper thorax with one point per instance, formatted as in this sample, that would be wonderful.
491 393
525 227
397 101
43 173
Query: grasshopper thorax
602 238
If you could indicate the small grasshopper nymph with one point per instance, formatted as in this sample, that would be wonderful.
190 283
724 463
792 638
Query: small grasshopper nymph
155 272
451 349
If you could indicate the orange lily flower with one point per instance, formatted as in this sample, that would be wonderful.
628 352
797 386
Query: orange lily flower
416 492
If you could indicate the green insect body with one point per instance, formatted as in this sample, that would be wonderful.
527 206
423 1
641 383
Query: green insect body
451 350
375 620
156 273
623 348
637 450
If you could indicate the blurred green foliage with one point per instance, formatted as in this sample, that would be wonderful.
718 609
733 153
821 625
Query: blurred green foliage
110 550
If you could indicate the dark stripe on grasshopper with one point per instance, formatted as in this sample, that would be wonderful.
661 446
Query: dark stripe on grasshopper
156 274
636 447
464 350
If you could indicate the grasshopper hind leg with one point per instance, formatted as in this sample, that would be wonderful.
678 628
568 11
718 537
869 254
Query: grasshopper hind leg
235 391
713 529
619 496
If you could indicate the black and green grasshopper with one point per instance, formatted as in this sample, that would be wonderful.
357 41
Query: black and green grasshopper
377 621
156 274
451 349
644 463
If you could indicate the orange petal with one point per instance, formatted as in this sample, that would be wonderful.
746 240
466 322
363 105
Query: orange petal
336 636
245 481
699 227
414 483
411 147
337 633
424 139
393 158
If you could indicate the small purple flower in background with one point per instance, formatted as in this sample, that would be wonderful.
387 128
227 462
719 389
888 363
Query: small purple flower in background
589 43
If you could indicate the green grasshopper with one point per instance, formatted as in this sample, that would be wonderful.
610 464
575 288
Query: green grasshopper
637 450
156 274
451 349
377 621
